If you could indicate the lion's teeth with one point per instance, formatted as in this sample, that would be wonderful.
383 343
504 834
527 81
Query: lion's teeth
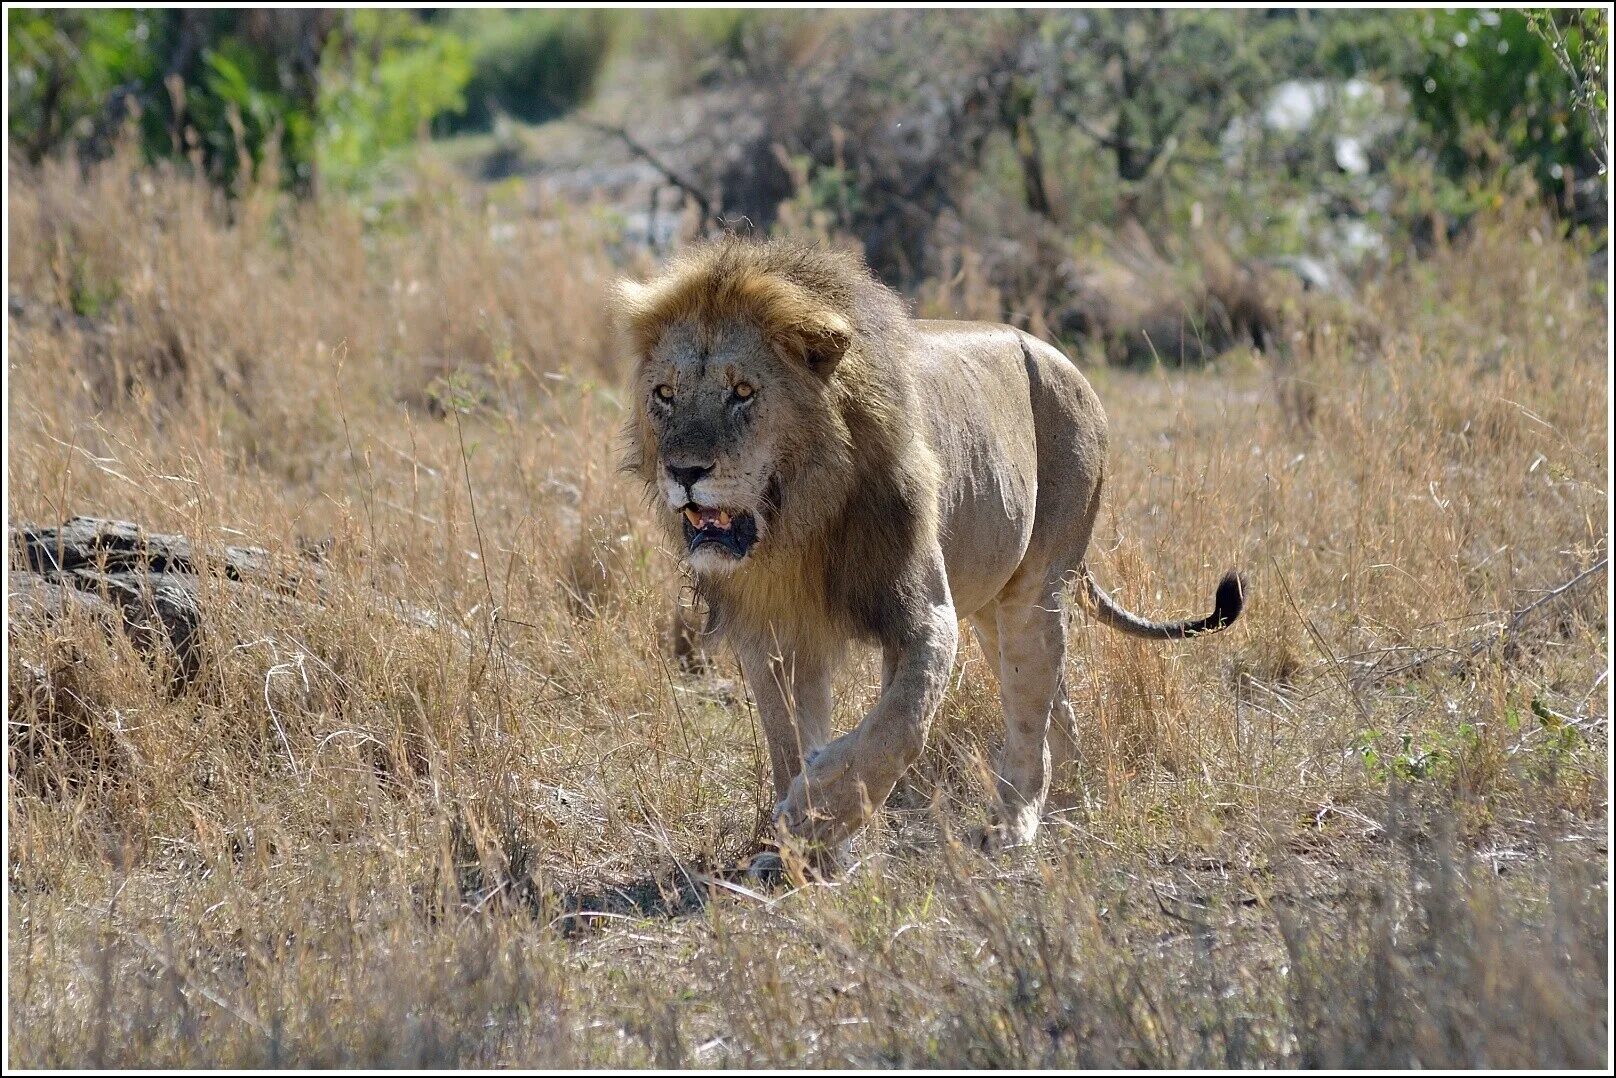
703 517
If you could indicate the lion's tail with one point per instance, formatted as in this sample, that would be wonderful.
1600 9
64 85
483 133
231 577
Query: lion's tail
1231 598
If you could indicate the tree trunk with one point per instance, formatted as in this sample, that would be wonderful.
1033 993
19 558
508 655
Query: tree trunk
1030 154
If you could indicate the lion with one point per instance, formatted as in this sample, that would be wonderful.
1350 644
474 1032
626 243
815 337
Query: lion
836 472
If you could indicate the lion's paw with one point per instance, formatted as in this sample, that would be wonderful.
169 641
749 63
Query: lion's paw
1004 837
766 870
770 869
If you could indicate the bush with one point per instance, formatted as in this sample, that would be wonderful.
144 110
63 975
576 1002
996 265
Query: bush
226 90
1492 94
65 67
231 91
533 65
384 78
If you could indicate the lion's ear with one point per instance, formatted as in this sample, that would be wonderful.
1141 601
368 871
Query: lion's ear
627 297
631 306
824 342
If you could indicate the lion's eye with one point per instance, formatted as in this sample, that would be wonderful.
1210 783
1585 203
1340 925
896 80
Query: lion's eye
664 392
743 391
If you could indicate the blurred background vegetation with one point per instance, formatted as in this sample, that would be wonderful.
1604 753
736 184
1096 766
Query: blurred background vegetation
994 152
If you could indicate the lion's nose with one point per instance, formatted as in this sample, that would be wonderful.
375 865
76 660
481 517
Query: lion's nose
688 477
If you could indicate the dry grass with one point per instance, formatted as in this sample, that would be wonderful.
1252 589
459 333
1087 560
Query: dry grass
1331 836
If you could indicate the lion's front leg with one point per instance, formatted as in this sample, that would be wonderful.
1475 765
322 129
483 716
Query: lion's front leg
793 695
842 784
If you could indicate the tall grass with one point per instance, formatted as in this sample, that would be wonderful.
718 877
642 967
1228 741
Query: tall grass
1340 834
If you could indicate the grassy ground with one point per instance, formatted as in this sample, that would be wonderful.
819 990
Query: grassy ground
1366 826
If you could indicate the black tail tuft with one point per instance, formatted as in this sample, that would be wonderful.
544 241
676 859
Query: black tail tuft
1231 599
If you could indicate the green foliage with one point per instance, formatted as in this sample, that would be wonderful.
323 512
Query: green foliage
232 91
239 111
1358 42
456 392
1539 735
724 31
1106 113
89 295
225 90
533 65
1448 110
1155 89
1491 93
1582 49
1407 763
385 76
63 68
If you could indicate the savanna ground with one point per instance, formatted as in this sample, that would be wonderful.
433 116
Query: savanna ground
1366 826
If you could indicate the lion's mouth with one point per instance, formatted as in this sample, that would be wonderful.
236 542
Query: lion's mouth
735 533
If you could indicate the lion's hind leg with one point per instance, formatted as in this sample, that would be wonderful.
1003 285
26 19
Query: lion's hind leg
1063 747
986 624
1032 656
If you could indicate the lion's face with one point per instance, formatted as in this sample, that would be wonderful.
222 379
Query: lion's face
723 421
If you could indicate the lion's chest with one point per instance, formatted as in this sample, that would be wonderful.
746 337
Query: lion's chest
780 608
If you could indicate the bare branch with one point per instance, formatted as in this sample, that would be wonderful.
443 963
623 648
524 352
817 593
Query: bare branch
1516 620
644 153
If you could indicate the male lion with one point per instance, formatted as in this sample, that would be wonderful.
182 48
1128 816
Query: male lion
836 471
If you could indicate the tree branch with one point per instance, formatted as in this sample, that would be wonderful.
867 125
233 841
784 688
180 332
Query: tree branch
644 153
1516 620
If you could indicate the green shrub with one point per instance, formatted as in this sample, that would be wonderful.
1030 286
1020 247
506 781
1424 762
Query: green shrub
228 90
384 78
225 90
63 68
1491 93
533 65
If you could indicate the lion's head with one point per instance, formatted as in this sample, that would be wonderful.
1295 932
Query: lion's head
750 378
